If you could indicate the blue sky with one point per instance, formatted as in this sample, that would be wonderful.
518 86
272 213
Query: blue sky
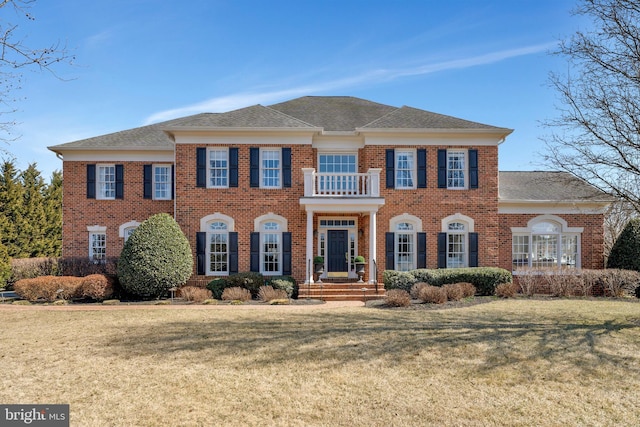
143 61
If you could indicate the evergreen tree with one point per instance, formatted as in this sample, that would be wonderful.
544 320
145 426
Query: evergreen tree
53 210
5 265
32 230
624 253
11 202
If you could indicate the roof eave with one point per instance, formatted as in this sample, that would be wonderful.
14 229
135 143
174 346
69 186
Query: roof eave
203 129
500 132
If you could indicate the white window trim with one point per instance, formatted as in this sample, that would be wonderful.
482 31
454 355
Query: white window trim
565 230
466 168
124 227
93 230
469 224
417 228
261 169
99 194
414 172
205 227
258 226
209 151
153 180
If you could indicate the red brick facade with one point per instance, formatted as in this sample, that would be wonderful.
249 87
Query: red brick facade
244 204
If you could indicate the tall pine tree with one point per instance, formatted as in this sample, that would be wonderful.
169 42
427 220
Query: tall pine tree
11 202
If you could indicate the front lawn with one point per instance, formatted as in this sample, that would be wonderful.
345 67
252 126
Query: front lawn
508 362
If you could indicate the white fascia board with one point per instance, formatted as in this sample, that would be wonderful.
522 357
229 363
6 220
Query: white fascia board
165 156
498 133
432 140
551 207
338 143
336 205
228 138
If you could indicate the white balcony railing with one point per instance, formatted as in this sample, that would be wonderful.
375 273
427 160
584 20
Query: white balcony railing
341 184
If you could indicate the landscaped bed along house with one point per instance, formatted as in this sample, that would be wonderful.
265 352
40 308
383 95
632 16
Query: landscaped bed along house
268 188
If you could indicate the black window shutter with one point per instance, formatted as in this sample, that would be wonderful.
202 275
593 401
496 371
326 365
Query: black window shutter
233 167
391 166
286 253
201 167
442 250
173 182
389 245
286 167
201 245
119 182
442 168
473 249
473 168
91 181
422 250
422 168
255 252
148 181
233 252
254 167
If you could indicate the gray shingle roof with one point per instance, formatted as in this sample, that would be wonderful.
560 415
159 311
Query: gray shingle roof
334 113
329 113
413 118
145 137
547 186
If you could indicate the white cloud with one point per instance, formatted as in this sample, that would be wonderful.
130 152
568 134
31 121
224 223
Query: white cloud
239 100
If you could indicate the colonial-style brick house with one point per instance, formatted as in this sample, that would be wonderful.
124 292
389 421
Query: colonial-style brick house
268 188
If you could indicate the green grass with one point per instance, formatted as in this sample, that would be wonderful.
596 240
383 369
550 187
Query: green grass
513 362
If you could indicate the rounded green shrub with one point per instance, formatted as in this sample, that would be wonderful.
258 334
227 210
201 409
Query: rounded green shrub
624 253
155 258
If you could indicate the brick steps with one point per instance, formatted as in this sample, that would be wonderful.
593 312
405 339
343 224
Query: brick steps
341 291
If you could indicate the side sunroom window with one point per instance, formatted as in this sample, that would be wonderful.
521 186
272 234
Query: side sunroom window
546 243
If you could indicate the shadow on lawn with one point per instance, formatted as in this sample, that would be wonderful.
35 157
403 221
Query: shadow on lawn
329 339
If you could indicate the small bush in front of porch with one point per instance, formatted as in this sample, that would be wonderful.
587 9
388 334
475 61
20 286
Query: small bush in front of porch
236 293
249 280
217 286
415 289
286 283
433 295
398 280
506 290
268 293
398 298
454 291
195 294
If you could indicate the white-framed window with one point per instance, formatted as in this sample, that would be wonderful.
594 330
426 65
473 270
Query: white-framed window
218 248
546 242
162 182
97 243
456 245
106 182
270 168
337 172
126 229
218 168
405 169
270 227
456 169
217 228
405 228
457 228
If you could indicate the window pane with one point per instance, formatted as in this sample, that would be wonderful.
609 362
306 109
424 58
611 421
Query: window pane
218 252
569 251
545 250
455 169
162 182
520 251
218 168
97 246
107 182
271 252
404 169
455 250
270 168
405 251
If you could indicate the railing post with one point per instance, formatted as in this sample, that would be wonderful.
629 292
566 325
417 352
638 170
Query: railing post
374 182
309 182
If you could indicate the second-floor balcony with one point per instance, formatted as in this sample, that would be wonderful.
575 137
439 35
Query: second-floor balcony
344 185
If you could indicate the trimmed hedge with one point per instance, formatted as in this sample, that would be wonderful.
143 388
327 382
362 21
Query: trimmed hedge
485 279
252 281
50 288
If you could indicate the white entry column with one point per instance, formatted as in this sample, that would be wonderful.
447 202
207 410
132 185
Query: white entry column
373 250
309 267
